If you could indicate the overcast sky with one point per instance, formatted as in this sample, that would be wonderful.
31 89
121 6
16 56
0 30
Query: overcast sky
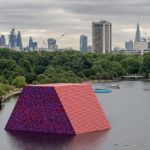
51 18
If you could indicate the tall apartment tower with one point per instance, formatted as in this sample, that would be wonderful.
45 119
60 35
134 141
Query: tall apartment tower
102 37
83 43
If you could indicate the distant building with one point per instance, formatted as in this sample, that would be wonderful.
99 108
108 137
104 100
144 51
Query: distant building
102 37
19 40
12 39
15 41
138 34
127 52
143 45
32 45
2 41
89 48
35 45
117 48
140 43
52 44
129 45
30 42
83 43
148 44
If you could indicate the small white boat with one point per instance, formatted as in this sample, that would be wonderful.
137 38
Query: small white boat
115 86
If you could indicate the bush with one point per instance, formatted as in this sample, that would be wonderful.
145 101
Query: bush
19 81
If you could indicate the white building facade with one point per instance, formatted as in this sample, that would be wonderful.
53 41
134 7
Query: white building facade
102 37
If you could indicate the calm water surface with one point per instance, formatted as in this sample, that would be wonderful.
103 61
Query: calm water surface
127 109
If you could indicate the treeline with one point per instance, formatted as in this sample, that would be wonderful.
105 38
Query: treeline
16 68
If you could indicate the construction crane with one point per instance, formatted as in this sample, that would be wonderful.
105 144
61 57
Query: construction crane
61 36
46 46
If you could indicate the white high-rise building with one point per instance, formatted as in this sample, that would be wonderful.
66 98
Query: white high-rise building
102 37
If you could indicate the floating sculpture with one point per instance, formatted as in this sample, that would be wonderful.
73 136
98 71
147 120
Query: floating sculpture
58 108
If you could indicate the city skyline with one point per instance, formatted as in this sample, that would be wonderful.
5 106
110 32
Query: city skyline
25 42
49 18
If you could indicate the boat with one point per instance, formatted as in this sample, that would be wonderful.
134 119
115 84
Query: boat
146 89
115 86
102 91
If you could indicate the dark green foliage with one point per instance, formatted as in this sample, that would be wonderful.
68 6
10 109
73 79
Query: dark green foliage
146 65
19 81
68 66
30 77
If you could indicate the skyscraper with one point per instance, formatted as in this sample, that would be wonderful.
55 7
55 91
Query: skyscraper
83 43
30 42
102 37
32 45
129 45
12 39
2 41
52 44
19 40
140 43
138 34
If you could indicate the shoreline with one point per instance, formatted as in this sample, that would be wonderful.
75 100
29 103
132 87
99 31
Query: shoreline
10 94
107 81
15 92
100 81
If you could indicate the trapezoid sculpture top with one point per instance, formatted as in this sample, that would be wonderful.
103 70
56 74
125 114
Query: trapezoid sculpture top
58 108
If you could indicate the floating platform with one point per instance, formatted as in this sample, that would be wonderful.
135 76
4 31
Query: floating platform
102 91
59 109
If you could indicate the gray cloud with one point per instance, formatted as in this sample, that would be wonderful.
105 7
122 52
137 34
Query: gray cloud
50 18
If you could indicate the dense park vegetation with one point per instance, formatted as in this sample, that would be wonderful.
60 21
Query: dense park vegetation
19 68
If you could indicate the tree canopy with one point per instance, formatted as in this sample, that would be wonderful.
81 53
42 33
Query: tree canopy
17 68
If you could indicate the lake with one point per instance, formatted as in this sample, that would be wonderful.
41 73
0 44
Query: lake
127 109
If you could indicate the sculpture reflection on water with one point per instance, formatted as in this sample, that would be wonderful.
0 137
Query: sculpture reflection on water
57 142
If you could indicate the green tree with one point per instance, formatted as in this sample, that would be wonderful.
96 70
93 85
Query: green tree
26 65
19 81
149 75
2 79
30 77
11 64
146 64
42 78
18 71
39 69
2 90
